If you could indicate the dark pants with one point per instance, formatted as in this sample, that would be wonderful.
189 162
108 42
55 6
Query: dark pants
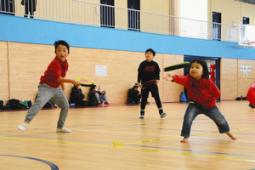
30 8
153 88
213 113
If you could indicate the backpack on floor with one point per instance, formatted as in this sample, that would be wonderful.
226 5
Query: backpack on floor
49 105
77 97
27 103
15 104
92 99
1 105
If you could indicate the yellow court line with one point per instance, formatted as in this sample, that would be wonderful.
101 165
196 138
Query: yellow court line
174 152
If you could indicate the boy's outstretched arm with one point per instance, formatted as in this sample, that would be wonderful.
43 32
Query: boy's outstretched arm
63 80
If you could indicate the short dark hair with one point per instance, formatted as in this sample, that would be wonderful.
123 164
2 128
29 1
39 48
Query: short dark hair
61 42
150 50
204 66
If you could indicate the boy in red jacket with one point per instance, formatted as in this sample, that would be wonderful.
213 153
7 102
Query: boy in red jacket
51 87
202 94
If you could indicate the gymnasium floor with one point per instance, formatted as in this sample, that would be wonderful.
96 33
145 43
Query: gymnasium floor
113 138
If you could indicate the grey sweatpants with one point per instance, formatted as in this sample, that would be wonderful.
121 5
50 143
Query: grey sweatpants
46 93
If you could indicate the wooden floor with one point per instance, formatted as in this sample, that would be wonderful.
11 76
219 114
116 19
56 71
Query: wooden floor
113 138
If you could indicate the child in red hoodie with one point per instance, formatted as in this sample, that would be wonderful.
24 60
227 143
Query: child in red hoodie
202 94
251 95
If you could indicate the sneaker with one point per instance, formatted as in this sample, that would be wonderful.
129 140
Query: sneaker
141 117
162 115
23 126
64 130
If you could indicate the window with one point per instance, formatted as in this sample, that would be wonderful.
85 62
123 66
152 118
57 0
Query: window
7 7
134 15
216 31
107 13
246 20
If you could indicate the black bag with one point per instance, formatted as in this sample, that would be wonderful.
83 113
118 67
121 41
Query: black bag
49 105
27 103
15 104
241 98
77 97
92 99
1 105
133 96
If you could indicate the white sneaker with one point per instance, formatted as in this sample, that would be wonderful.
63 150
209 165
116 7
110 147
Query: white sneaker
23 126
64 130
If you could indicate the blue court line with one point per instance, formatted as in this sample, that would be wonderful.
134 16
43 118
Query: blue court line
50 164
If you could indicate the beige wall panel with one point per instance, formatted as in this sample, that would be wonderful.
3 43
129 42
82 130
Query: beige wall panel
228 79
172 90
3 71
245 80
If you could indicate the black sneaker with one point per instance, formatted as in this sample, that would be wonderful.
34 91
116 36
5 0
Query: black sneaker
162 115
141 117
